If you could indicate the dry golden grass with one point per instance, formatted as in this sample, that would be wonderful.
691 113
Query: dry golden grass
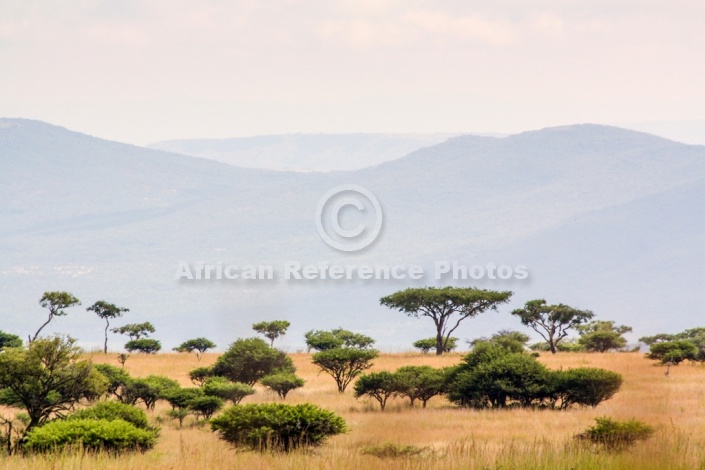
455 438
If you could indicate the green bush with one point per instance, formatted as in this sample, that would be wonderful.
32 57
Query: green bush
148 390
282 383
513 341
182 397
337 338
199 375
506 380
427 344
8 340
277 426
144 345
90 434
492 376
224 389
111 411
248 360
205 406
116 377
569 345
390 450
586 386
378 385
674 352
420 382
344 364
616 435
178 414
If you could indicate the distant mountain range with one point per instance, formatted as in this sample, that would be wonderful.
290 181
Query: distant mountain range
604 218
305 152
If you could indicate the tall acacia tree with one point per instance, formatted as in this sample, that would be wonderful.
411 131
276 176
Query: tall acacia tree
106 311
271 329
55 302
446 306
552 322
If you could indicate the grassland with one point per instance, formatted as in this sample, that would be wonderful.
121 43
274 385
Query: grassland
452 438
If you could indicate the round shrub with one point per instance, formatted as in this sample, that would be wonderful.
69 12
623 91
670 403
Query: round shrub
614 435
111 411
90 434
143 345
586 386
282 383
182 397
277 426
248 360
224 389
205 406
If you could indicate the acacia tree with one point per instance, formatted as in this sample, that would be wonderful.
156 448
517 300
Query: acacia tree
47 379
552 322
144 345
425 345
602 336
135 330
106 311
199 345
282 383
420 382
338 338
379 385
446 306
55 302
248 360
344 364
271 329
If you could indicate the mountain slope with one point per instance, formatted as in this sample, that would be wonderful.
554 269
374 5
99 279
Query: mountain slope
107 220
307 152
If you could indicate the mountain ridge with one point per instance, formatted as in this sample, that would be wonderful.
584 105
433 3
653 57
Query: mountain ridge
103 220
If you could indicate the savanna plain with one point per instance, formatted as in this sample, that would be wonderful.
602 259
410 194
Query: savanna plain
443 435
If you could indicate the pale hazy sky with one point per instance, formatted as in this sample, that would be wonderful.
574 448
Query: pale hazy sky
145 70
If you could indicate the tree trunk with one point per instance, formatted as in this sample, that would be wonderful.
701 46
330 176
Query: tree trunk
439 343
552 345
105 347
40 329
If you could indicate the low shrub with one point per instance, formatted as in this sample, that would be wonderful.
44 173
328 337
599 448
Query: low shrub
378 385
205 406
673 352
615 435
586 386
427 344
226 390
389 450
111 411
89 434
494 377
199 375
144 345
182 397
282 383
277 426
420 383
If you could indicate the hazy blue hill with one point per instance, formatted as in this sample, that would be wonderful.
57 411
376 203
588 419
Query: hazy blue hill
313 152
602 216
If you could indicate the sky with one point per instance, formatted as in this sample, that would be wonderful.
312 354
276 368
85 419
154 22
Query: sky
141 71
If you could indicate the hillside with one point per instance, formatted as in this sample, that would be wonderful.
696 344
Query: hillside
304 152
601 216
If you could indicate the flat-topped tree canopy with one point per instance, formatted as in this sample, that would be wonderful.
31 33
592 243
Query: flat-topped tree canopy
446 306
